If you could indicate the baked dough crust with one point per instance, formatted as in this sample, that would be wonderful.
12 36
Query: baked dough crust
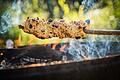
45 29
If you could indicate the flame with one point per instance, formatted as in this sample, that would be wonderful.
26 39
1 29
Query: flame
63 47
31 39
54 46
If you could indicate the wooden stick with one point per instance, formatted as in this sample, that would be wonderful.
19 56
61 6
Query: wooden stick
102 32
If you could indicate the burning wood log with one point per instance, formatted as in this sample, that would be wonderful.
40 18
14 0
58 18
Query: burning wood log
31 53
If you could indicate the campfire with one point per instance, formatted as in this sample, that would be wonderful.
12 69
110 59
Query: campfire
72 49
59 39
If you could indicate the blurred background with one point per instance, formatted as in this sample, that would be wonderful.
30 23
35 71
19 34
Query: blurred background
103 14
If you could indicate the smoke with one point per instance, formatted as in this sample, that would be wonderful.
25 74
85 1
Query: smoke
16 10
93 47
10 17
88 4
5 23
